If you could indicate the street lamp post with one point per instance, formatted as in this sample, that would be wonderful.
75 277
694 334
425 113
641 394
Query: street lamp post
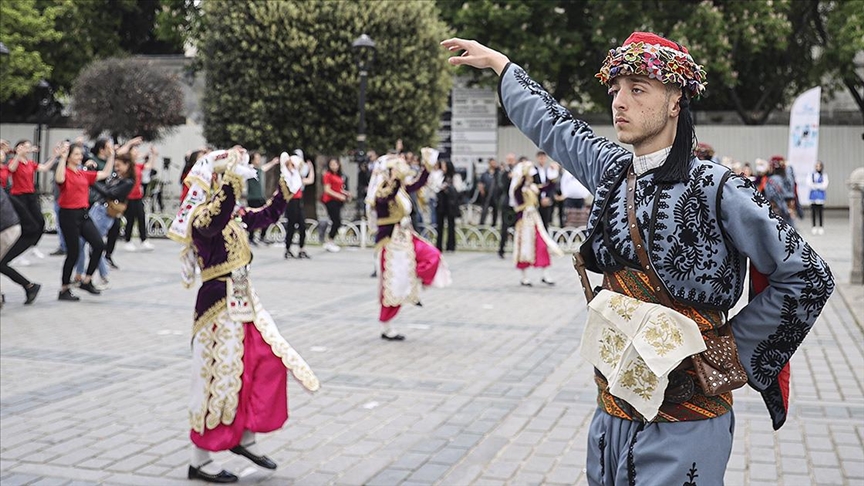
364 47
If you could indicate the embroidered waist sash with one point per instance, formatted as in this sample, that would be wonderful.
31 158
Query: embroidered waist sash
697 406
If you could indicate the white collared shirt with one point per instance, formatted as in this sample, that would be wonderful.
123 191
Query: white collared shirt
644 163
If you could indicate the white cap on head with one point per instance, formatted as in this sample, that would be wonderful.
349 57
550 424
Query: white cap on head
283 157
299 153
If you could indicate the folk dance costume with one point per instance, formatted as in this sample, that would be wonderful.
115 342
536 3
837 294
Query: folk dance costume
239 380
698 233
405 260
531 243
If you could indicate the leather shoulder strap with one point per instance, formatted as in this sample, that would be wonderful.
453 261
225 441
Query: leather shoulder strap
639 245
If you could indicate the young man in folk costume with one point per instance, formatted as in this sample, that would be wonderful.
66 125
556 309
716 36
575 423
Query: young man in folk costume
239 358
699 223
405 260
532 245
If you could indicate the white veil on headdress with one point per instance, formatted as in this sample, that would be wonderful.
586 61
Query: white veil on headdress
199 181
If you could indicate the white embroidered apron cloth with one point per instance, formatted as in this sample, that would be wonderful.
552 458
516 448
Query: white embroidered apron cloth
217 355
636 345
399 273
525 237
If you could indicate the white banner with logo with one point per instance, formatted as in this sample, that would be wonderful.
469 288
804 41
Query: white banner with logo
804 138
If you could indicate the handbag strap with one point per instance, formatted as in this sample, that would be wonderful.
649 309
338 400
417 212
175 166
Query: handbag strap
645 263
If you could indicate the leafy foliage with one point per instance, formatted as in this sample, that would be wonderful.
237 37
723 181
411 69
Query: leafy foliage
759 55
22 29
126 98
282 74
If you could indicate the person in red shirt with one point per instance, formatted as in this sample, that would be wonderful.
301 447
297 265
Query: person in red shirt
135 205
21 172
4 169
334 197
74 183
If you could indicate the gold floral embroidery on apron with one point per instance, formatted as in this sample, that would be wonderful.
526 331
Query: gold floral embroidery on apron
663 336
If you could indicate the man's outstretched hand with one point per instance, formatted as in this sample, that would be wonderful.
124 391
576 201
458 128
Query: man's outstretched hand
475 55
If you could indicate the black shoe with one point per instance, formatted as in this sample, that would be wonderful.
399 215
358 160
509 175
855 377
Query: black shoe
288 254
111 262
253 242
261 460
374 274
547 282
67 295
418 304
397 337
89 287
303 254
525 283
58 252
223 476
501 255
32 291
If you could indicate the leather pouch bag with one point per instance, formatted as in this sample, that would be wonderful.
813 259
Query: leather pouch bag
115 208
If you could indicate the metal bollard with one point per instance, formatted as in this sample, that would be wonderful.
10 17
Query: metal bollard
856 223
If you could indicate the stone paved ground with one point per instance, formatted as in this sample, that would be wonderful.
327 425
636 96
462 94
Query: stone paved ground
488 389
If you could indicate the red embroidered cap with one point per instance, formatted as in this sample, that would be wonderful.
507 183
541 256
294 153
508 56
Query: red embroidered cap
659 58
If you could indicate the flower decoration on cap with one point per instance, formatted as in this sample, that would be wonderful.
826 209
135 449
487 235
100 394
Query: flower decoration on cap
656 57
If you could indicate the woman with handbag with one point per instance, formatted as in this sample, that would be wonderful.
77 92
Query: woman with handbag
75 221
108 207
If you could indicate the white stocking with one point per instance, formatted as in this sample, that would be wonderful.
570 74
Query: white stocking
201 460
248 441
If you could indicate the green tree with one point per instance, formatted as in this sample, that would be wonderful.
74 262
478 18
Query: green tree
23 29
759 55
127 98
282 74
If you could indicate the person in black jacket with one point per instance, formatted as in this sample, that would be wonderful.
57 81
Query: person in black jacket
447 209
116 188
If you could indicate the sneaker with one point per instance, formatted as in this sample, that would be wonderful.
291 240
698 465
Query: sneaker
129 246
147 246
36 253
332 247
815 230
67 295
89 287
111 262
525 283
58 252
31 292
821 230
303 254
103 284
288 254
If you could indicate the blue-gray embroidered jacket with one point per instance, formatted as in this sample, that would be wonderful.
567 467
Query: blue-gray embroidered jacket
699 235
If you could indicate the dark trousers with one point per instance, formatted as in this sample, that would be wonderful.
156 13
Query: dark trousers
76 223
135 214
817 210
24 242
294 222
30 214
256 203
113 236
443 215
489 203
546 215
508 219
334 212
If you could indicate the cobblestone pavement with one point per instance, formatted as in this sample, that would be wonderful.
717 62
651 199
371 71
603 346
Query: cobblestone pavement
488 389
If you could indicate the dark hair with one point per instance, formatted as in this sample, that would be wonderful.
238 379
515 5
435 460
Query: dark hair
677 165
21 142
130 174
100 144
339 170
539 153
